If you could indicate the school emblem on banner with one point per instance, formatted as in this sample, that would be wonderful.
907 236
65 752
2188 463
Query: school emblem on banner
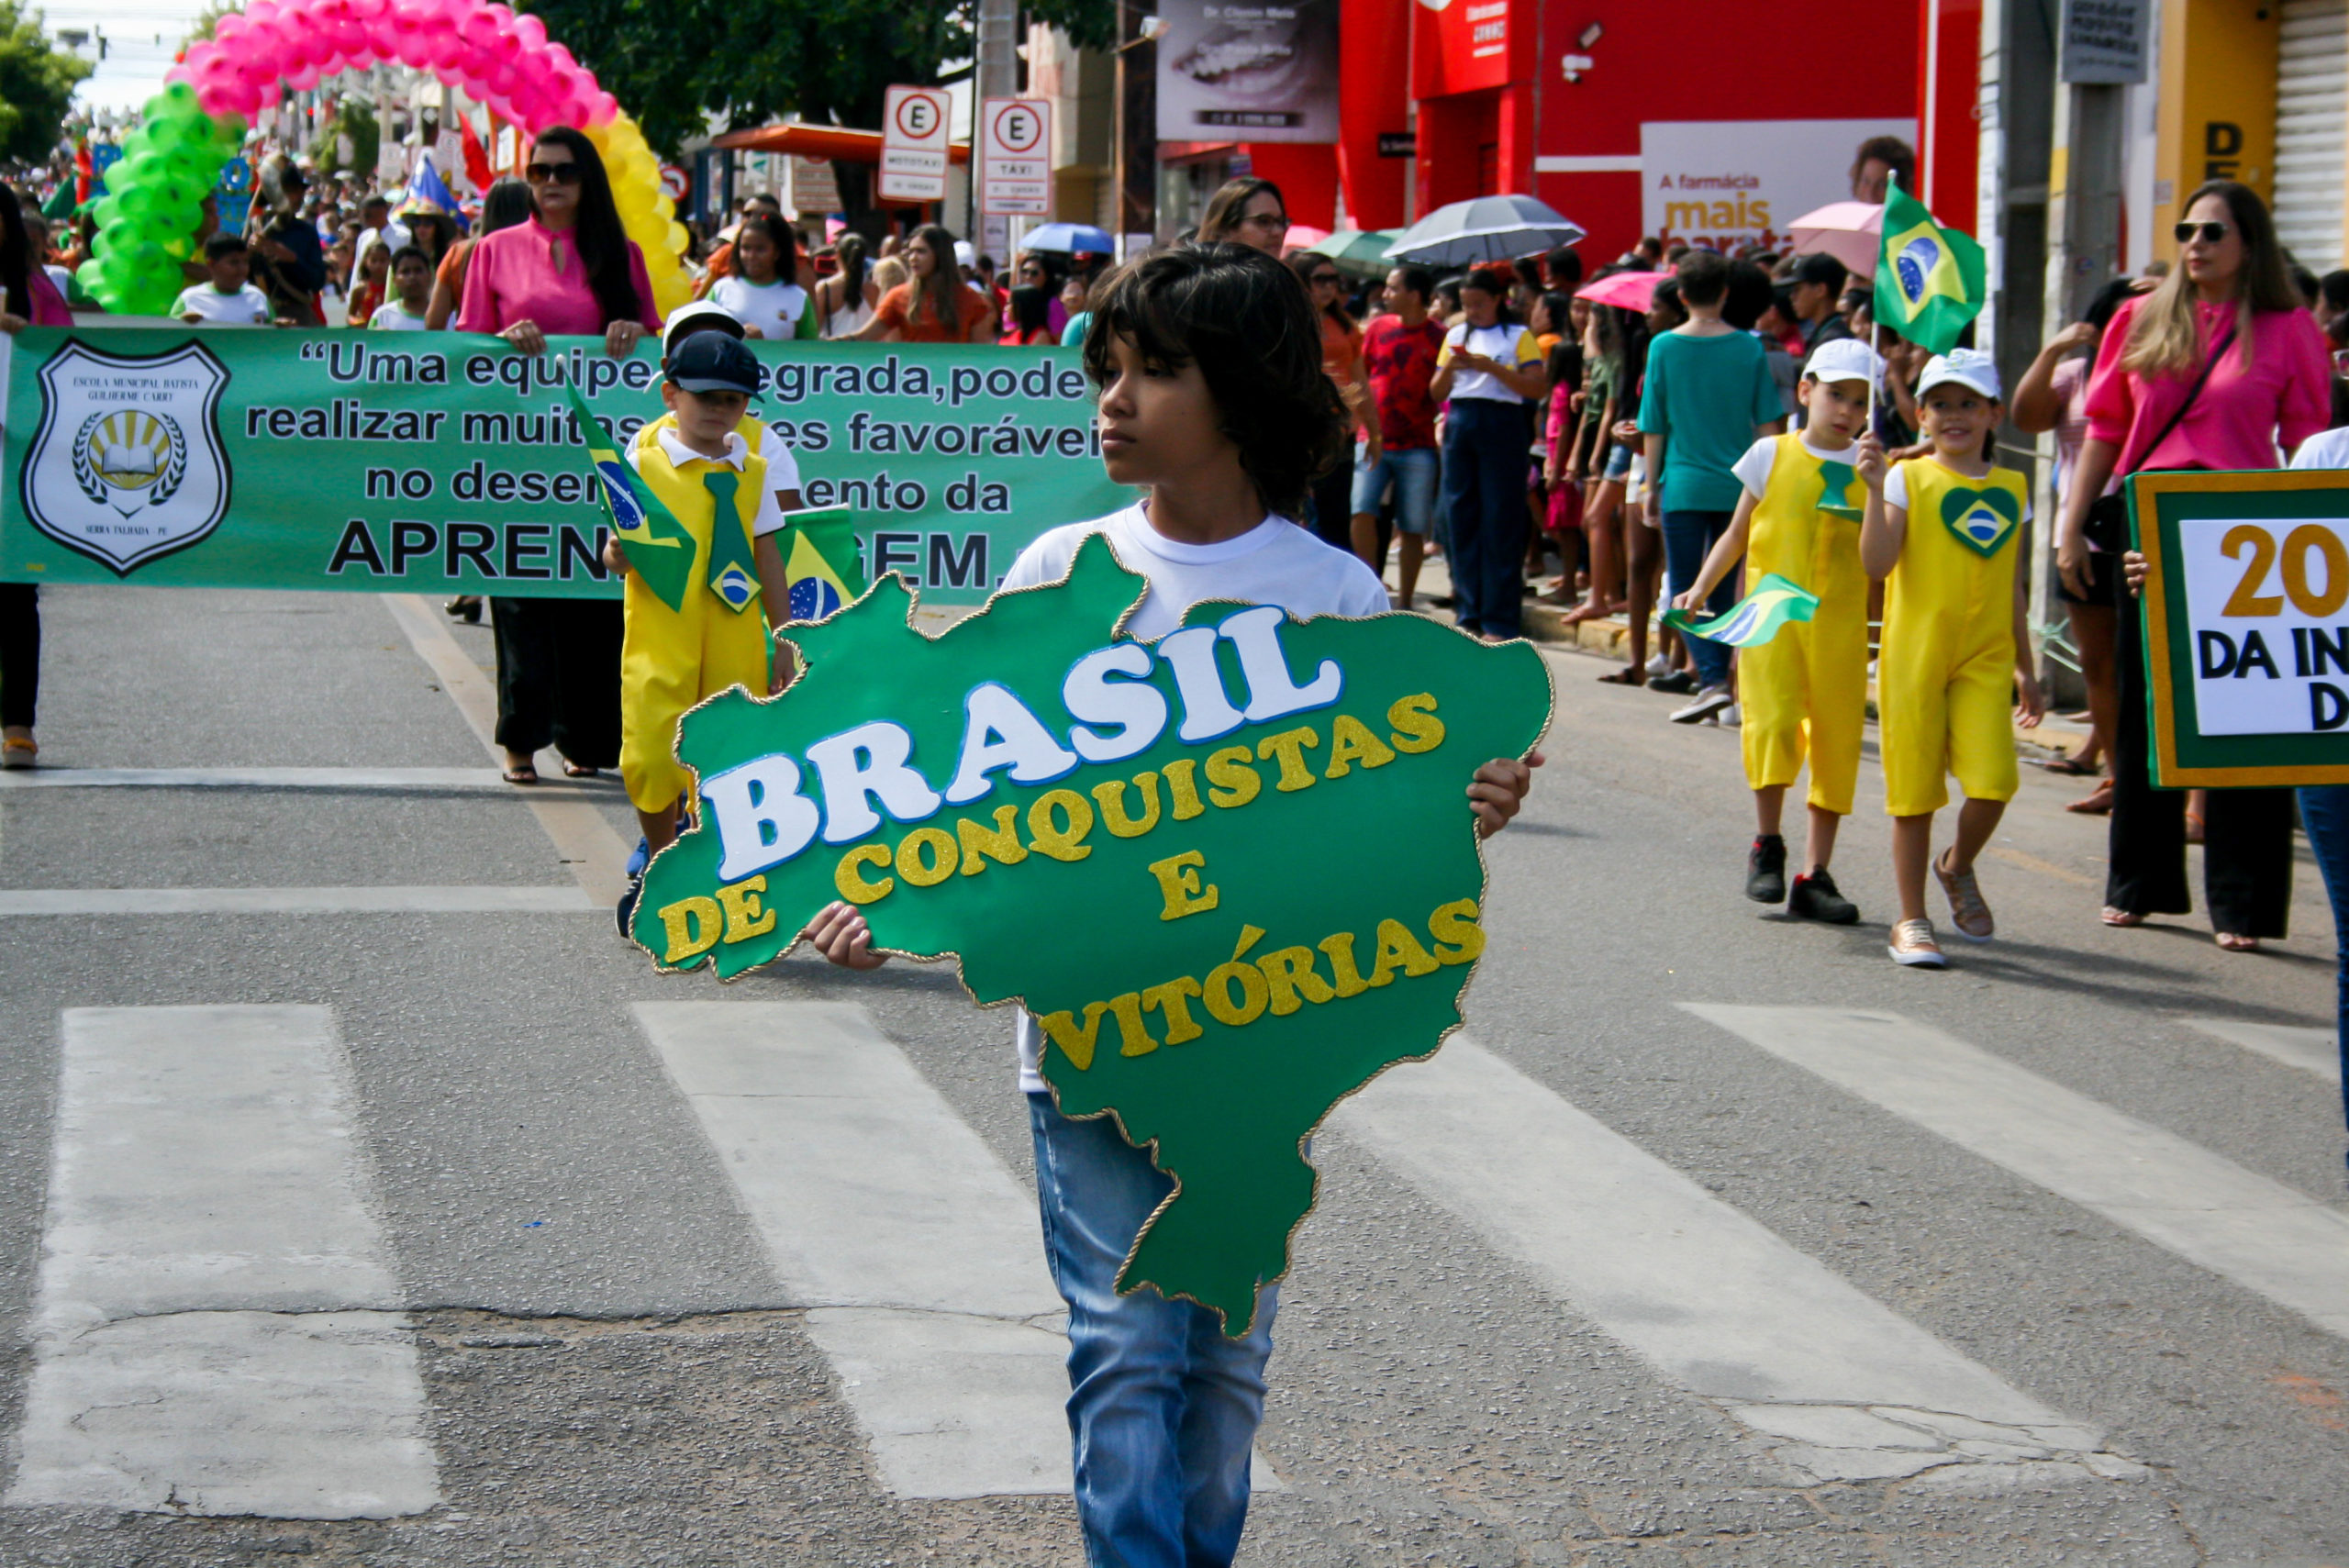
127 465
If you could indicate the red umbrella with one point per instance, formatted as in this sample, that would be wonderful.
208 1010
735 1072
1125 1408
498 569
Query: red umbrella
1626 291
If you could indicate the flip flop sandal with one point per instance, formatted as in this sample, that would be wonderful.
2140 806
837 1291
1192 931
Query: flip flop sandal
520 775
2120 917
1967 910
2229 941
574 770
1624 677
2071 767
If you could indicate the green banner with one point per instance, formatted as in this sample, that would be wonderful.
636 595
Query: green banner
448 463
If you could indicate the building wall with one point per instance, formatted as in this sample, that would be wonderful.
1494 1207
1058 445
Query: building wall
1725 62
2216 103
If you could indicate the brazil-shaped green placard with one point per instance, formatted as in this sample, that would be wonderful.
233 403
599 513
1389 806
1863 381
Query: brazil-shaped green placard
1232 873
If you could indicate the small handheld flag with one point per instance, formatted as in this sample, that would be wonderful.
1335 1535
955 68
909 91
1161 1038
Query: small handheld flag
659 548
1756 618
822 566
1929 281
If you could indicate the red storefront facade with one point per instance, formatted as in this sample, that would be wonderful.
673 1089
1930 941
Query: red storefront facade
1711 121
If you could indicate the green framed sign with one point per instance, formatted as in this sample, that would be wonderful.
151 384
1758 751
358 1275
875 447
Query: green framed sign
443 462
2246 621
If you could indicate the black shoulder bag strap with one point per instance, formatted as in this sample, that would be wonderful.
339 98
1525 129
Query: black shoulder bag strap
2108 517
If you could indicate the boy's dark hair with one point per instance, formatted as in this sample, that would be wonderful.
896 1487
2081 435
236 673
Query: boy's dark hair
1245 321
2306 281
1565 267
225 244
2118 292
2333 288
1819 267
405 251
1704 277
1421 281
1748 295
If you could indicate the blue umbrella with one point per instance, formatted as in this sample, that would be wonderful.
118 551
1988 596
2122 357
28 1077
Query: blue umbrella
1068 238
1488 229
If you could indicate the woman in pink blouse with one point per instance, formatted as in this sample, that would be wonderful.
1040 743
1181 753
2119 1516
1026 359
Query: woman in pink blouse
2213 370
26 299
569 269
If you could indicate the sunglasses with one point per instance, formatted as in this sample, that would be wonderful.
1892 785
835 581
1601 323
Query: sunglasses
558 173
2211 233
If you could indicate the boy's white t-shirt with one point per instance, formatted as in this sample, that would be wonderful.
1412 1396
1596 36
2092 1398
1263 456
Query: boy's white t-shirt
248 305
774 308
1753 470
393 316
1276 563
2326 448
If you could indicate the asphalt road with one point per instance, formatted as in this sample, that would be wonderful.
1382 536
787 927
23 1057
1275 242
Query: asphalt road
345 1226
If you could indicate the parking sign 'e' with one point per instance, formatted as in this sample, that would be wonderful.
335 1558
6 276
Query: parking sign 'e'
913 145
1016 157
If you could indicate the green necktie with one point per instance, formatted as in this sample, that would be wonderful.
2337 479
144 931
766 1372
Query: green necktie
731 574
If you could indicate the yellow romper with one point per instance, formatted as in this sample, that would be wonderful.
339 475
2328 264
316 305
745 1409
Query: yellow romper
670 659
1945 667
1805 692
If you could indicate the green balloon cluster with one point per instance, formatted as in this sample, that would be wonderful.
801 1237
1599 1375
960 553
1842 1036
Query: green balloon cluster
148 219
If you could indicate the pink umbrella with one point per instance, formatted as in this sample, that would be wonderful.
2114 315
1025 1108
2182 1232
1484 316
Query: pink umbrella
1852 232
1303 236
1625 290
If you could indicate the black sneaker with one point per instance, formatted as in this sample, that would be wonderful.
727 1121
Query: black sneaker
627 910
1816 897
1679 683
1765 870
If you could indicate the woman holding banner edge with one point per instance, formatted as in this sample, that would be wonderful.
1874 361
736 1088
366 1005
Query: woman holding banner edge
569 269
2212 370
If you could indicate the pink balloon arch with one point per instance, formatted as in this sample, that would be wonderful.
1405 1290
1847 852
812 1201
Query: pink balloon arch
496 56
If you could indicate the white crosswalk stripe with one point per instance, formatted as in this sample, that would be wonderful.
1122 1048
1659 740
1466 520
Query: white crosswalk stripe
2309 1049
2270 1239
886 1213
1844 1387
215 1330
370 900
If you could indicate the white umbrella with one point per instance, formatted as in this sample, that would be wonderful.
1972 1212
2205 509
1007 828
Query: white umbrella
1852 232
1488 229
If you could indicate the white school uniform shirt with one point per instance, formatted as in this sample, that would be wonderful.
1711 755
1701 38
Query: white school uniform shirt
770 518
774 308
248 307
1276 563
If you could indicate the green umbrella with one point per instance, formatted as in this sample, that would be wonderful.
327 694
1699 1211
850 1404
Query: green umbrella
1363 254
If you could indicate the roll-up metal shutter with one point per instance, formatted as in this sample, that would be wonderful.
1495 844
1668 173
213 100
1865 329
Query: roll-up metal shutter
2311 112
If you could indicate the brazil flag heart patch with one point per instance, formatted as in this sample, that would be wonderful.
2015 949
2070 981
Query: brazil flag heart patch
1982 519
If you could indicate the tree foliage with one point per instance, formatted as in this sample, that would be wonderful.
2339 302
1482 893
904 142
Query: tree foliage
37 83
676 64
208 19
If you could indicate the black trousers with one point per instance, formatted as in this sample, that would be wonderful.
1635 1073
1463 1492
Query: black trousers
2246 833
1333 504
19 653
559 677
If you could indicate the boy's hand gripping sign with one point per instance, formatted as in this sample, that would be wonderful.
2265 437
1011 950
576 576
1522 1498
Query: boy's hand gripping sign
1234 872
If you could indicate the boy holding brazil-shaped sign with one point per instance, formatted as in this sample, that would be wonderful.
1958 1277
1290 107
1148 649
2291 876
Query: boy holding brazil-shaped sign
1804 685
1956 655
1213 397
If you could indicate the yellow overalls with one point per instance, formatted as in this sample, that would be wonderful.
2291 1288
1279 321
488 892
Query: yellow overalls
670 659
1945 667
1805 692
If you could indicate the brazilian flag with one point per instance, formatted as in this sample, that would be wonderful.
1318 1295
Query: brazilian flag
821 564
1928 280
1756 618
659 548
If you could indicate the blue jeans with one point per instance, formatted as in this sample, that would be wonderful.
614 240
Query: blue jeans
1484 458
2324 812
1688 538
1163 1409
1412 472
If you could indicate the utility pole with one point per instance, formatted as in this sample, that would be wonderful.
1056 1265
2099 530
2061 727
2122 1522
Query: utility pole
995 74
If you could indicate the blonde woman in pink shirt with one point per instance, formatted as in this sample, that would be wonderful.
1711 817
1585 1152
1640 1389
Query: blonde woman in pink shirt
2216 369
569 269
